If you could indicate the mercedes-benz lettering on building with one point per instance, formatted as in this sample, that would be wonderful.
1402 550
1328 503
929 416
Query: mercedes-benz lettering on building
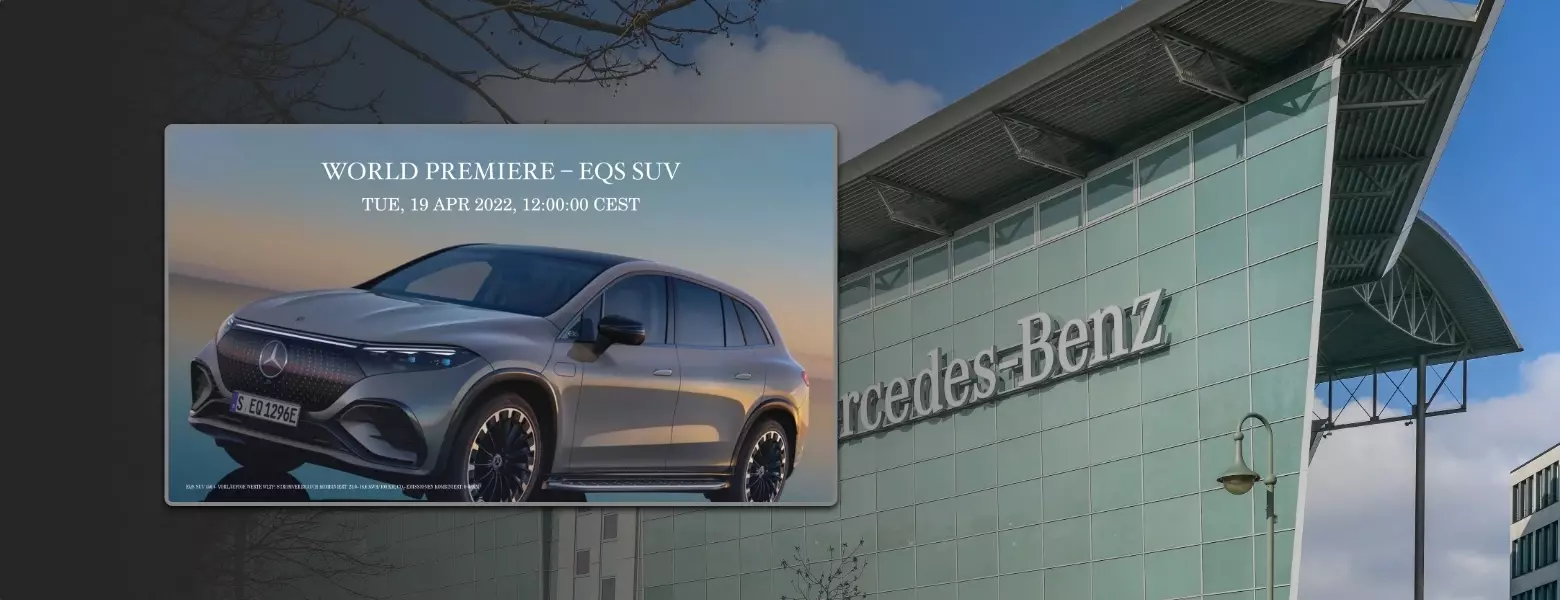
512 373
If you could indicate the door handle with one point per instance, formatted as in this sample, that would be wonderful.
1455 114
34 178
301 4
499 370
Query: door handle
744 376
663 373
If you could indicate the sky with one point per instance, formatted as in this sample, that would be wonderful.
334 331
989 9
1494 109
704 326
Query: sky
873 67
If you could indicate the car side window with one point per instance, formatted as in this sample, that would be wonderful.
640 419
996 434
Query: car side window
697 315
752 328
733 327
643 299
586 320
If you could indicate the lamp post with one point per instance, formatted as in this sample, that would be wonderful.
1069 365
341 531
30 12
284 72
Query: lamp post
1239 479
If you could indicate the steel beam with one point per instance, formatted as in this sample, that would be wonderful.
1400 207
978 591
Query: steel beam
1402 66
1422 412
1355 163
1358 237
1409 97
1385 420
1386 104
1362 195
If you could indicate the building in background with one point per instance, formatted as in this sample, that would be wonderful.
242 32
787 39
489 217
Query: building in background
1240 179
1535 528
1241 176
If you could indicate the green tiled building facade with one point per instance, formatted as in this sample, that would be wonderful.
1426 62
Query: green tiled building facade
1097 486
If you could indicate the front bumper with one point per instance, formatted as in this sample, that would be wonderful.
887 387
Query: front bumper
389 427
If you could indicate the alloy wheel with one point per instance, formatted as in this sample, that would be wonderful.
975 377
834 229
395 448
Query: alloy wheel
502 457
766 466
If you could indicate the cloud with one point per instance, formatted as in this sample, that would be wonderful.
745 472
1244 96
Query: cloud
1359 528
782 77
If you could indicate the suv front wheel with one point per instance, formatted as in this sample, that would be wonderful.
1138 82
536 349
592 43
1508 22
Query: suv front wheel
498 454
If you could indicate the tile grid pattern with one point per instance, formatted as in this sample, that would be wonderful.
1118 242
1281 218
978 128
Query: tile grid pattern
1044 493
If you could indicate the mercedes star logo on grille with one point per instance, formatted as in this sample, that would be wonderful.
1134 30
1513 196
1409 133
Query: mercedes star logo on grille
273 359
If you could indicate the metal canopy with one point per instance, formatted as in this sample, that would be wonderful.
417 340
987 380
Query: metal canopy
1156 67
1433 302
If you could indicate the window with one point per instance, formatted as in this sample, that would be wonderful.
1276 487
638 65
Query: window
1164 168
752 329
586 320
1552 544
930 268
641 298
495 278
891 283
1109 193
1522 512
972 251
1536 550
1516 503
697 316
1015 233
855 296
1550 477
733 326
608 588
609 526
1061 214
582 562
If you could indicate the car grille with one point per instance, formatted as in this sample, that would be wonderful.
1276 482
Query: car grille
315 375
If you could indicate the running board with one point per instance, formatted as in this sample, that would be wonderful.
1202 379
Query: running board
635 484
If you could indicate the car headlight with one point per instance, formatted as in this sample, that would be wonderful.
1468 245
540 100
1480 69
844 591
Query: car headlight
224 327
380 360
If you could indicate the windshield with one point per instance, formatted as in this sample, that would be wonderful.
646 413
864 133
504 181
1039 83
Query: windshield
510 280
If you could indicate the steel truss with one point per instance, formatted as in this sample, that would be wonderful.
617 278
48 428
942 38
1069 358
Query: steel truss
1406 299
1204 66
1042 144
1380 396
908 206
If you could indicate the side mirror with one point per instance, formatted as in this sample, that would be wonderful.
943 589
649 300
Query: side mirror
617 329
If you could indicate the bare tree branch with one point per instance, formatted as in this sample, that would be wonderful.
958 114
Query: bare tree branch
268 60
833 578
289 552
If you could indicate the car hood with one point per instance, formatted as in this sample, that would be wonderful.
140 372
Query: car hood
372 317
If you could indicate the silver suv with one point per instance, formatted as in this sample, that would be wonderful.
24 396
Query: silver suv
489 373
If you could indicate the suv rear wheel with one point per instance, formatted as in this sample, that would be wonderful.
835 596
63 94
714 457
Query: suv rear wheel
763 464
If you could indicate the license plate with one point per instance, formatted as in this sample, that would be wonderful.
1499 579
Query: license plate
265 409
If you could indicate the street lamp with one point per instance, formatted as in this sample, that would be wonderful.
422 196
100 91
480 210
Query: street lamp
1239 479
